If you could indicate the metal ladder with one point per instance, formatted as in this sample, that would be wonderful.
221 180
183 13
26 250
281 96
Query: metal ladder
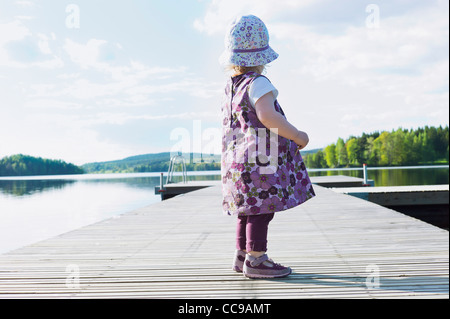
172 166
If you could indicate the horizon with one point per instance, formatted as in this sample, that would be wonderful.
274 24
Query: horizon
90 81
219 154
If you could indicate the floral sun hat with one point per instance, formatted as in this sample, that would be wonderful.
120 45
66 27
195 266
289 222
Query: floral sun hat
247 43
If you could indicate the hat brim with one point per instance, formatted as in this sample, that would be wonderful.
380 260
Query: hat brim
248 58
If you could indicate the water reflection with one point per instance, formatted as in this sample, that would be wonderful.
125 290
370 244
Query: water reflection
395 177
27 187
24 187
30 187
401 177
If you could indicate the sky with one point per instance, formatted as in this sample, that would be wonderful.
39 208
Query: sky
95 80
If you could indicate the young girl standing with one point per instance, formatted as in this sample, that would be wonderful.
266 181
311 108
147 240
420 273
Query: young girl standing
258 180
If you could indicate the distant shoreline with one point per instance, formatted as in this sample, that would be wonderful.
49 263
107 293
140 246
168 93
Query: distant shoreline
88 176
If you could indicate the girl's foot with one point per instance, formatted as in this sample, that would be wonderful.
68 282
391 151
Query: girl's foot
239 258
263 267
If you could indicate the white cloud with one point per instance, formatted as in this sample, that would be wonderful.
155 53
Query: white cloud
10 32
400 42
120 118
53 104
220 12
85 55
353 79
135 71
129 80
23 17
191 86
20 48
59 136
103 56
123 82
24 3
43 43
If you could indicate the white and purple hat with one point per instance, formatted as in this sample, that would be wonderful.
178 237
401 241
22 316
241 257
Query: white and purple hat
247 43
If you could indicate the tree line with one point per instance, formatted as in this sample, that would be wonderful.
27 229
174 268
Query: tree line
164 167
158 162
427 145
25 165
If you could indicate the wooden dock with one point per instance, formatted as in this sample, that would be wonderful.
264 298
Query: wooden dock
338 246
400 195
173 189
429 203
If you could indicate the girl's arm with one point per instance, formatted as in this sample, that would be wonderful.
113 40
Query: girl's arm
271 119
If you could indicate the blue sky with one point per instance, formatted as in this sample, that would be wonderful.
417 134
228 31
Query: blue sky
137 77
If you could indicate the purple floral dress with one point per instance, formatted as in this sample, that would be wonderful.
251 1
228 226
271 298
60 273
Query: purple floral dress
262 172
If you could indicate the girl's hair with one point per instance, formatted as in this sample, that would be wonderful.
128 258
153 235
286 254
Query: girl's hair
237 69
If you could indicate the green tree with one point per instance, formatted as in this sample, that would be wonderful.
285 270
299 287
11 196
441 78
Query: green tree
24 165
330 155
398 147
341 153
352 151
369 152
378 151
317 160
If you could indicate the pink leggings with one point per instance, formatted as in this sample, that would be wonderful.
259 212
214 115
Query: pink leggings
251 232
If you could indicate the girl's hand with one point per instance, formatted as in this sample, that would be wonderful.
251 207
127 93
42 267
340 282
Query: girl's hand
301 140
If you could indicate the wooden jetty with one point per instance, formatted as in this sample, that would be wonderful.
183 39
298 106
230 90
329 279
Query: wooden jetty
401 195
339 246
173 189
429 203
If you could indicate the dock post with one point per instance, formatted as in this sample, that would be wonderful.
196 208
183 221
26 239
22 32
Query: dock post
161 186
365 182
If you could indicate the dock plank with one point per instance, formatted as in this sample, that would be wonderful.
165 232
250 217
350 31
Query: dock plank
401 195
183 248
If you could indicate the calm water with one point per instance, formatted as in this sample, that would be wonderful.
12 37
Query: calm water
36 208
395 176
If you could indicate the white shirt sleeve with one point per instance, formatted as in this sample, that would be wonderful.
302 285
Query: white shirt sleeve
259 87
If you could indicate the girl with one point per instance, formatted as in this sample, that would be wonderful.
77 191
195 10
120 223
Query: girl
259 179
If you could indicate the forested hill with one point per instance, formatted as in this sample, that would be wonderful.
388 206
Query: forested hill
158 162
422 146
24 165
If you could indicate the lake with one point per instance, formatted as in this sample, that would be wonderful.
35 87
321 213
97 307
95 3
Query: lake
40 207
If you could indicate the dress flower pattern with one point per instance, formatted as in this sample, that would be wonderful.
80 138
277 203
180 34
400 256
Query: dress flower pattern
249 188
